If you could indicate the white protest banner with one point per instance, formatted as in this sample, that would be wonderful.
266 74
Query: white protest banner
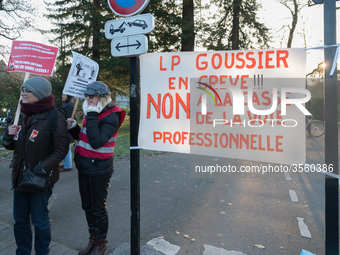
32 57
234 104
82 72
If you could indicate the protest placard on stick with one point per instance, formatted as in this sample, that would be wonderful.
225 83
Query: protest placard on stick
83 71
31 57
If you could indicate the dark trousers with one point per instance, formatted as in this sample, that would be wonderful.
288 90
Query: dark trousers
93 192
34 206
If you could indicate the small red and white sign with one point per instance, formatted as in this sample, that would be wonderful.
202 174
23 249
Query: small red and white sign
32 57
127 7
16 137
33 135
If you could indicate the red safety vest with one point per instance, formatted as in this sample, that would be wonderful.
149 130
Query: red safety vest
106 151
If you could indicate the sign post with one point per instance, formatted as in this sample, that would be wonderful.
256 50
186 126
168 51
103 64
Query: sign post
331 132
134 157
127 45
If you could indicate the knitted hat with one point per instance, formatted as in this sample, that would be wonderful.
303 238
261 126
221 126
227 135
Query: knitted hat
39 86
97 88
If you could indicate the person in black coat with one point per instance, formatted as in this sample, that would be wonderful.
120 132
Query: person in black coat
93 158
39 149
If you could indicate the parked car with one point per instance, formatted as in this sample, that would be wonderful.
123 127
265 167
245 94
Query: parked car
138 23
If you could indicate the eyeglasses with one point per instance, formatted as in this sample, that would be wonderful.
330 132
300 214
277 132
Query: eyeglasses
90 96
25 91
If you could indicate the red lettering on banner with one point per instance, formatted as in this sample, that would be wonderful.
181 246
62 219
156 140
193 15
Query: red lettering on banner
167 116
205 63
204 119
242 60
181 81
157 105
171 82
160 105
260 60
219 59
214 79
161 68
268 144
175 60
269 59
224 140
252 60
283 59
278 143
238 58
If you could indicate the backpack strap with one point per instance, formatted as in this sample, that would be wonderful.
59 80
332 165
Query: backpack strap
53 119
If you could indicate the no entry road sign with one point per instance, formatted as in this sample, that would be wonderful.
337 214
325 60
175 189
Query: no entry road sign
127 7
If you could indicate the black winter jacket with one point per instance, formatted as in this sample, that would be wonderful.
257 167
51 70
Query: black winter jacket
45 147
98 134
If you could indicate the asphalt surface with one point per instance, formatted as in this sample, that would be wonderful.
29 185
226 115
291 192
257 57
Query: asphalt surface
251 213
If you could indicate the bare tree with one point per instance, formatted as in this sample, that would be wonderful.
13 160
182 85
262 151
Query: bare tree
15 16
294 6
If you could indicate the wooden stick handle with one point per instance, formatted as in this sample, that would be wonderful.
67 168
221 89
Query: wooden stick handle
75 108
17 113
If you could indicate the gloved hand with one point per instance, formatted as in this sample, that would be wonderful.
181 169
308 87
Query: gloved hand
92 108
38 169
71 123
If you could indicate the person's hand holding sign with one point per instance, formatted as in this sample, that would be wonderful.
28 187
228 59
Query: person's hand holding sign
71 123
13 129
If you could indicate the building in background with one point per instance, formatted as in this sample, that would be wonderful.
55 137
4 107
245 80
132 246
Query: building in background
122 101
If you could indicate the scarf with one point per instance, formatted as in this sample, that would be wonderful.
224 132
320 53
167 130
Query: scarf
42 105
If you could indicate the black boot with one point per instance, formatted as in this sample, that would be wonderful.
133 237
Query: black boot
100 248
90 246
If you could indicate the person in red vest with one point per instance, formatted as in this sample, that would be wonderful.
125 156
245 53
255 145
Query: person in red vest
93 153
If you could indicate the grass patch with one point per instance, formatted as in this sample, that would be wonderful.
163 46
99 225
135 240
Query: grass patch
122 149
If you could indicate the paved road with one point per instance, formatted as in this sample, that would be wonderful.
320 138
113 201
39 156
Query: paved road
251 213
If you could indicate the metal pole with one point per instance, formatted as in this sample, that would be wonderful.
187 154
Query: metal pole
134 157
331 132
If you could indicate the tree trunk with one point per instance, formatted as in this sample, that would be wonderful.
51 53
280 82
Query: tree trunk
96 30
235 37
294 23
188 34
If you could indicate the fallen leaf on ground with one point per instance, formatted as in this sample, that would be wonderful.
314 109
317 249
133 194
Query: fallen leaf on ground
259 246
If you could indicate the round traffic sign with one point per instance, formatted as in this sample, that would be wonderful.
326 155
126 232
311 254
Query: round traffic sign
127 7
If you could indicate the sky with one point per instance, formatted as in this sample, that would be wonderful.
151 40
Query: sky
273 14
